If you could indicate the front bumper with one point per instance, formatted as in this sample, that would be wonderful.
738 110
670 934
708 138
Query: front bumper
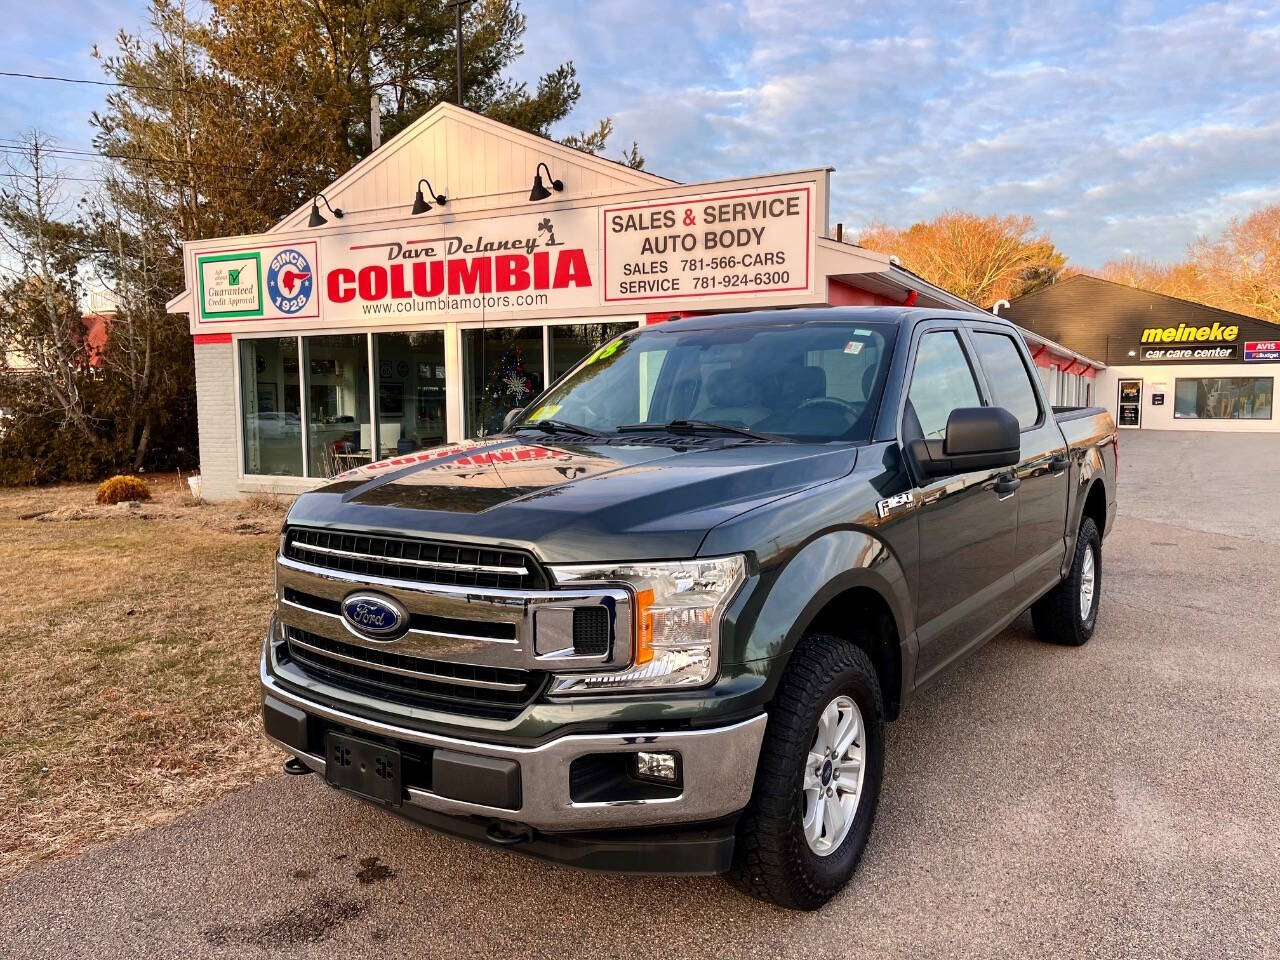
718 768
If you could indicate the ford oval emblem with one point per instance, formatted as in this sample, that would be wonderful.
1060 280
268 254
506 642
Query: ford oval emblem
375 616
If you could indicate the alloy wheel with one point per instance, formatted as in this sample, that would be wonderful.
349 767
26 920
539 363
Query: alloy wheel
833 776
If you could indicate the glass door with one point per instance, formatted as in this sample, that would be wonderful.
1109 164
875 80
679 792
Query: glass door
411 391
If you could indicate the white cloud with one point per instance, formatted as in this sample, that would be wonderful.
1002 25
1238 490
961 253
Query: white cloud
1126 129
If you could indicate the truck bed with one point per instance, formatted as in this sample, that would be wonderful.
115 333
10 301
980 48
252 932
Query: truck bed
1062 414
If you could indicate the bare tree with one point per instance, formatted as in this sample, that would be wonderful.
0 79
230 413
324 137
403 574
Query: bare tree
40 320
983 259
1238 270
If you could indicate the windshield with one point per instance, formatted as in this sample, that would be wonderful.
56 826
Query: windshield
815 382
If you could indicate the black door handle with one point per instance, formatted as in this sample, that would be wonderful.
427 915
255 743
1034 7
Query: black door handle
1007 484
1059 463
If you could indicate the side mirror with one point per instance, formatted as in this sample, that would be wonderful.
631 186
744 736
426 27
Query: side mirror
511 415
977 438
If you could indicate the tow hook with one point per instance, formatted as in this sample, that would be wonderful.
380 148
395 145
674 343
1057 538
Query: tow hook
508 834
296 768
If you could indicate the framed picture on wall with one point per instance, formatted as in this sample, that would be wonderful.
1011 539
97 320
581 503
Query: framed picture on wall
391 399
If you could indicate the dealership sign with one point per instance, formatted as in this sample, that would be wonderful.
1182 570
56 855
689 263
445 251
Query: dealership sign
722 248
751 242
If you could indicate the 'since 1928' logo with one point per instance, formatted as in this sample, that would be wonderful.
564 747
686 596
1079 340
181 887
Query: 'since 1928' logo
289 281
375 616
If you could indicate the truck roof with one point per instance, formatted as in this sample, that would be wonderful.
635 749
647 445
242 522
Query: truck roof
782 317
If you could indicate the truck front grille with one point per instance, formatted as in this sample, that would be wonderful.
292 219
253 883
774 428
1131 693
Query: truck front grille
415 681
423 561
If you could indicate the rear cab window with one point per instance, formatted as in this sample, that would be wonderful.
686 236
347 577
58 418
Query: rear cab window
1008 377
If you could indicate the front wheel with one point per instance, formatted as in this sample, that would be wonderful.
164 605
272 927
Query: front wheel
1068 613
818 780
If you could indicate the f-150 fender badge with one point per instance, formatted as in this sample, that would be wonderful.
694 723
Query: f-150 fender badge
884 506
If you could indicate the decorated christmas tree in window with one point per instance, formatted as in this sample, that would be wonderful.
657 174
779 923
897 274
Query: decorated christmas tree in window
507 385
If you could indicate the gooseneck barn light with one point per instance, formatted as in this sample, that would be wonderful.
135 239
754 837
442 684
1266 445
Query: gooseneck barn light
420 204
539 191
317 219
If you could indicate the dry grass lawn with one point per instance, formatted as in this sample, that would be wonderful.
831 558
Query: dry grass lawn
128 674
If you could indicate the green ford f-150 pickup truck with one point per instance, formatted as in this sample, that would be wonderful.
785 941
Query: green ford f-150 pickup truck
659 622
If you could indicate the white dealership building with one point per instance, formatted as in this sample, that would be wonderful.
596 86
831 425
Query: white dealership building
471 265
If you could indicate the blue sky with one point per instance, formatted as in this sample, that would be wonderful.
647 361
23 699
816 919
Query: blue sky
1122 128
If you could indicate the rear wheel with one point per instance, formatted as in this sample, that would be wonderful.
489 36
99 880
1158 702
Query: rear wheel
818 780
1068 613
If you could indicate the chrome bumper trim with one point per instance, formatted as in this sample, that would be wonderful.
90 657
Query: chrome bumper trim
719 768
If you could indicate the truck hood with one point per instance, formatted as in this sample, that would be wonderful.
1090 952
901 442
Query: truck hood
571 500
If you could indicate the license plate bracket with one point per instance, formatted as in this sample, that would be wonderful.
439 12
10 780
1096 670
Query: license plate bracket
369 769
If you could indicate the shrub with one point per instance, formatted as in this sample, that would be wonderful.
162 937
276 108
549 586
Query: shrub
123 487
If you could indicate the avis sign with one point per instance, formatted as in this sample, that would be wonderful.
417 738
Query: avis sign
710 246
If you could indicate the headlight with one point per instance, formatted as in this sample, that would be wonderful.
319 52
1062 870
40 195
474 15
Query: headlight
678 608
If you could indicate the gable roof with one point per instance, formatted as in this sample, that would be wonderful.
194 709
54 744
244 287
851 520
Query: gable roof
1105 319
476 162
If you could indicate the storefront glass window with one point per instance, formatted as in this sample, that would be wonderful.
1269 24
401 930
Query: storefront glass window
411 390
502 369
571 342
269 403
1223 398
339 431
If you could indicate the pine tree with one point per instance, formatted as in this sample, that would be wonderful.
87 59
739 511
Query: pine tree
240 118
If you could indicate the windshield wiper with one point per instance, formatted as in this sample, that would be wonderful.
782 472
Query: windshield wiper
690 427
551 425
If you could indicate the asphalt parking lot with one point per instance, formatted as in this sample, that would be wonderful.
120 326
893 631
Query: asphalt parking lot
1122 799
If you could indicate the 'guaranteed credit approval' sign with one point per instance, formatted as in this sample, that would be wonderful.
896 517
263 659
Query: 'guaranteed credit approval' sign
727 244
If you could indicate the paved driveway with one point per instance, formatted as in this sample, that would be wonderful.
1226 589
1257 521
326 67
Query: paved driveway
1122 799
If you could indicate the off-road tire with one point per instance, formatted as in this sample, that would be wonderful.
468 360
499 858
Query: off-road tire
1056 616
772 860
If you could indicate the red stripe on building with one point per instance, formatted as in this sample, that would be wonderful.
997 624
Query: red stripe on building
201 339
845 295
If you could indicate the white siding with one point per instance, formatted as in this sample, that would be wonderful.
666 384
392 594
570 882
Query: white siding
1166 377
216 417
477 163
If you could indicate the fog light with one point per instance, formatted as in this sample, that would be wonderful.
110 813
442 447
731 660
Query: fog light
664 767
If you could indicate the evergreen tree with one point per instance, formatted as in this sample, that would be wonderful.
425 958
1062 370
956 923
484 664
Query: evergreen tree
240 118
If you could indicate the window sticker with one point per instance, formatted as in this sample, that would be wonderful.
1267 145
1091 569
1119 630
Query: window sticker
859 332
608 350
853 346
544 411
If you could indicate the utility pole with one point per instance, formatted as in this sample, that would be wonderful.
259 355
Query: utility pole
457 9
375 122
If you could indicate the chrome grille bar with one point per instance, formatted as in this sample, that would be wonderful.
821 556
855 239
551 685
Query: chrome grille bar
296 641
519 571
414 631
